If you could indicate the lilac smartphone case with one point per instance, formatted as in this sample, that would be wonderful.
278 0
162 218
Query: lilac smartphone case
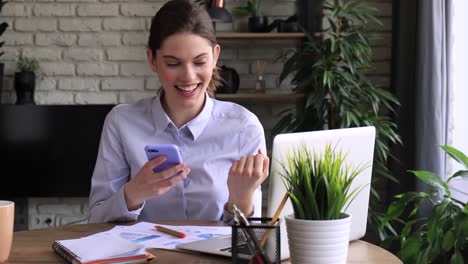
171 152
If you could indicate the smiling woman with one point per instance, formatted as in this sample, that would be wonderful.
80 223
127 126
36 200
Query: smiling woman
221 143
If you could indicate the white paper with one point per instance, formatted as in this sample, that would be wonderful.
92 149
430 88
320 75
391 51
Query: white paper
145 234
101 246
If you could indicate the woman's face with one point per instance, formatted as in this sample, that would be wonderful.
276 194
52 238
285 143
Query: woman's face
184 64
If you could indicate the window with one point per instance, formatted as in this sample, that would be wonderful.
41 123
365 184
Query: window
458 120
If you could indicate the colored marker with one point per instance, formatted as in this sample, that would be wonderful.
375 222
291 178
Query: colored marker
170 231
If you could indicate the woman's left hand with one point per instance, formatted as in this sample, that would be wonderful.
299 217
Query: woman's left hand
245 175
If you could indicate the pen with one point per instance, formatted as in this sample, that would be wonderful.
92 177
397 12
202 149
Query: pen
170 231
260 256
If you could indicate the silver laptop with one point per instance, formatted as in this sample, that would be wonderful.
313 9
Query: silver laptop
358 143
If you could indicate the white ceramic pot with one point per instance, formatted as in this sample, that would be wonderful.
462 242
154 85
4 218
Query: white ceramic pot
318 241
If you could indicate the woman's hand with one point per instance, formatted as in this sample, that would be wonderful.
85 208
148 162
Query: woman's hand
148 184
245 175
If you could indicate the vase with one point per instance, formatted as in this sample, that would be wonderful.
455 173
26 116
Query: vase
258 23
25 83
318 241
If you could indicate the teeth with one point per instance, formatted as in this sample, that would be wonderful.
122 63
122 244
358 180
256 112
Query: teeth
188 88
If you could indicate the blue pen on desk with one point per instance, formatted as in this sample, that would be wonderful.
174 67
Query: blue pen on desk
251 240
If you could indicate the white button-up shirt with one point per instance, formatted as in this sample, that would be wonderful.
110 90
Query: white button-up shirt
220 134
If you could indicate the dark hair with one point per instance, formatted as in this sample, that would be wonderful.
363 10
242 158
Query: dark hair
183 16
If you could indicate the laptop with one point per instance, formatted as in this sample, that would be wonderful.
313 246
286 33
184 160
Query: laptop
358 143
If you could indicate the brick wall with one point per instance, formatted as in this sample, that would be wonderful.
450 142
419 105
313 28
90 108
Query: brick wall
93 52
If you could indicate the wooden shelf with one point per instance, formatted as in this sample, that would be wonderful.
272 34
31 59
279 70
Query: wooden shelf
247 36
252 39
260 97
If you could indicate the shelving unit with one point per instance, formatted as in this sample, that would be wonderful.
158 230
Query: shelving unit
261 97
249 39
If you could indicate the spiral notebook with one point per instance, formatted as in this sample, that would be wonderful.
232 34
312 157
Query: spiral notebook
100 248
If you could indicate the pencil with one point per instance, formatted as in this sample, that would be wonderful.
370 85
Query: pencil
170 231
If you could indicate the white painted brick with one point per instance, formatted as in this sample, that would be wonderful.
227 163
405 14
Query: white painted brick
228 53
78 84
49 54
15 10
7 97
99 39
123 84
120 24
281 9
268 54
56 39
53 98
96 98
75 1
241 68
141 9
46 84
35 24
98 10
80 24
152 84
15 39
11 54
61 220
136 69
58 69
135 39
126 54
54 10
97 69
83 54
131 97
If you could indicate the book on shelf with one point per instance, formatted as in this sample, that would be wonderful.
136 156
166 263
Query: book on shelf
100 248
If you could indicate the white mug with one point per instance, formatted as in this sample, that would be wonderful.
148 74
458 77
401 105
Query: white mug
7 216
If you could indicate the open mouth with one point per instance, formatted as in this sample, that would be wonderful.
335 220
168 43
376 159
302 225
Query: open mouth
187 88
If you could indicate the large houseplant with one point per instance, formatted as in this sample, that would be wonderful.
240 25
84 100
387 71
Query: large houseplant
319 187
331 72
442 236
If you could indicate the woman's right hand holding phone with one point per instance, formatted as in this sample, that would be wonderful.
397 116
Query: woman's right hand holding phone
148 184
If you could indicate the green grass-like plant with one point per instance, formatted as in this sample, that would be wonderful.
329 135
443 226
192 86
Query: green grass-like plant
318 184
442 236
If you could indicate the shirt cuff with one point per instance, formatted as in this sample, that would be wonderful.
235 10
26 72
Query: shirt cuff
228 217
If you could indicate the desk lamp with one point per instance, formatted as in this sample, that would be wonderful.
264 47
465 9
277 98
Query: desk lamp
218 13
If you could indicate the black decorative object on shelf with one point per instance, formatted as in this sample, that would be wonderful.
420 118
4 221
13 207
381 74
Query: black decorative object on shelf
230 80
25 83
25 80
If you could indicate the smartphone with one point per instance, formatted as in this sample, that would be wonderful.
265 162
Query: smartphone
171 152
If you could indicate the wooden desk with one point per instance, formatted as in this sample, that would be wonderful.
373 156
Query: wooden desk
35 246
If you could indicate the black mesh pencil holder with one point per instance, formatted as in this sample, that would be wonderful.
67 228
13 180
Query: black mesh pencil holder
257 243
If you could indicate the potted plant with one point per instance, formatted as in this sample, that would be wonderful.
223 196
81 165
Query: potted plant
318 185
331 72
442 235
256 22
3 27
25 79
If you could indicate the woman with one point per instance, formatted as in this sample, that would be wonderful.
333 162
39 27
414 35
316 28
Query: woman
222 144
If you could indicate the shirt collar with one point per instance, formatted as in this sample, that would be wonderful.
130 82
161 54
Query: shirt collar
160 118
196 125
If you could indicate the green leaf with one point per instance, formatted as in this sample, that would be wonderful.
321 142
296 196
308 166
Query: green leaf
448 240
456 155
460 173
456 258
431 179
410 248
